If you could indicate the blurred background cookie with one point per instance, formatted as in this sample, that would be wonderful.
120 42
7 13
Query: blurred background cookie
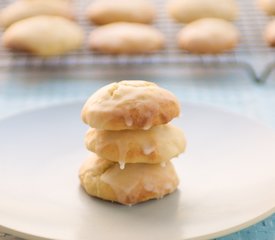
126 38
189 10
44 36
136 183
130 104
269 34
108 11
156 145
208 36
268 6
22 9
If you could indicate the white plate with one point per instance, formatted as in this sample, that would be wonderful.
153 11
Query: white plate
227 180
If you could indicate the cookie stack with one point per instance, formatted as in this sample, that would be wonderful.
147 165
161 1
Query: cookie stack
131 142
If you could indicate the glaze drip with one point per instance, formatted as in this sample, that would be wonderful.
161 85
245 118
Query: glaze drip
128 121
163 164
147 150
121 164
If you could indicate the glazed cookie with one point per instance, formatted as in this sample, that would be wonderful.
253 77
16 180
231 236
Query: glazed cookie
136 183
109 11
208 36
268 6
126 38
269 33
44 36
189 10
130 105
22 9
156 145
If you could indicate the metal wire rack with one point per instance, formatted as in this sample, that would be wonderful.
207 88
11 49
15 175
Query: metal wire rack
252 54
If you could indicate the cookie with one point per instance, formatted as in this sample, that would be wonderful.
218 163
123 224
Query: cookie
126 38
156 145
44 36
269 34
187 11
268 6
107 11
134 184
208 36
130 105
22 9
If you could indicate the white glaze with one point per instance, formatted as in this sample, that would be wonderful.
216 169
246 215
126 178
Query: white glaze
168 186
149 187
121 164
147 150
147 126
163 164
128 121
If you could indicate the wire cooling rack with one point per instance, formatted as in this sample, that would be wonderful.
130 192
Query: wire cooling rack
252 54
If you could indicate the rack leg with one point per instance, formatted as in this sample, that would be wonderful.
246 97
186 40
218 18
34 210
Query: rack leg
252 72
267 71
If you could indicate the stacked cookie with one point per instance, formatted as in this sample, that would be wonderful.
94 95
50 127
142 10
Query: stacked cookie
132 142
